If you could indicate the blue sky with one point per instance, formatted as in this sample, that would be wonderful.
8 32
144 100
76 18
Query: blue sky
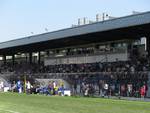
18 18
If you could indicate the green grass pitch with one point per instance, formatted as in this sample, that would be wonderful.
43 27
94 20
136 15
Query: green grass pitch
21 103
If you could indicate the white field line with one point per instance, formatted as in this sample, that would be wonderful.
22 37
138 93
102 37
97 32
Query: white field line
9 111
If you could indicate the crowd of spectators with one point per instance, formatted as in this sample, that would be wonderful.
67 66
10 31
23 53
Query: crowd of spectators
101 83
118 66
123 78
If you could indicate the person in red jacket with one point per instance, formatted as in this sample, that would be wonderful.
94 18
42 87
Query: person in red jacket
143 91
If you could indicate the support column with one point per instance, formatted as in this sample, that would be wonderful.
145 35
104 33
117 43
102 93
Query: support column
4 59
39 57
26 57
148 45
30 57
13 59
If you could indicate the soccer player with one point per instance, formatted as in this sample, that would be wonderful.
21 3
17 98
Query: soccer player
19 86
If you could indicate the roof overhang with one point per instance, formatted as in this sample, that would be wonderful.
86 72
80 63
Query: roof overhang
133 26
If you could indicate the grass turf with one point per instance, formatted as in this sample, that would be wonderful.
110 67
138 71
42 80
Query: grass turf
21 103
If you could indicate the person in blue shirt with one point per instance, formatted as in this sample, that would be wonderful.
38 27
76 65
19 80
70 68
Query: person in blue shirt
19 86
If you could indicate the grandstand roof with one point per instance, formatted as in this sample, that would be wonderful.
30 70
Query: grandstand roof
97 27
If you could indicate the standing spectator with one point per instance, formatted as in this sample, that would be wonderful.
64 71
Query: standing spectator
129 90
123 90
1 85
13 88
28 87
143 91
106 89
101 88
75 88
86 93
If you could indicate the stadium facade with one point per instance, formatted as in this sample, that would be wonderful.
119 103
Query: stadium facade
113 40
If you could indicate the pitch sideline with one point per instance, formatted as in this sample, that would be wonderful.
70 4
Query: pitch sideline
9 111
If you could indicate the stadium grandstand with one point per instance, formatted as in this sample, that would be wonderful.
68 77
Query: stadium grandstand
109 57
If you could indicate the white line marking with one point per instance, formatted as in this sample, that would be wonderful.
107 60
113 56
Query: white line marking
10 111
